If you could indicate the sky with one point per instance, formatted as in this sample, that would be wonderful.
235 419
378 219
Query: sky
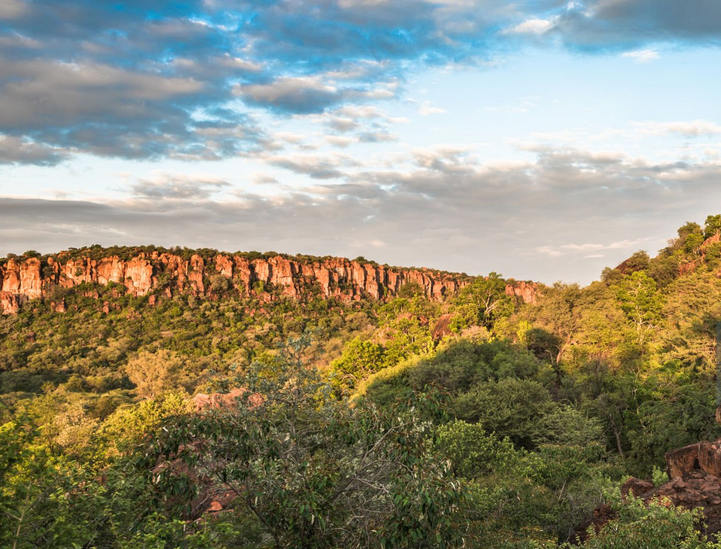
540 139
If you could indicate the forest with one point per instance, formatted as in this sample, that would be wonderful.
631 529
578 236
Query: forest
265 421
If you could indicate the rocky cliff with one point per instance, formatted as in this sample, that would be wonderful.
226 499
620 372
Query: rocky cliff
524 292
163 274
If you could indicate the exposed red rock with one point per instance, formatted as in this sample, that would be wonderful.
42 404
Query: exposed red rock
30 279
10 277
526 292
602 515
636 487
695 489
709 458
10 303
691 266
442 327
682 460
710 241
694 473
163 274
216 400
166 273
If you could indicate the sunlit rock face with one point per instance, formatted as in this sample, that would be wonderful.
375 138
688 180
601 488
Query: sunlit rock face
164 274
526 292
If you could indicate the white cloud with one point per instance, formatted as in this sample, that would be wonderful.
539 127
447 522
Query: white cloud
532 26
427 109
695 128
316 166
557 251
340 141
264 179
642 56
178 187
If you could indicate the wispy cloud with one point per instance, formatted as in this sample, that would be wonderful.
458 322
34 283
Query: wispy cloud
178 187
427 109
585 248
694 128
443 208
642 56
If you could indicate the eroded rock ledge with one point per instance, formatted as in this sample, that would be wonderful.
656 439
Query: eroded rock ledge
161 273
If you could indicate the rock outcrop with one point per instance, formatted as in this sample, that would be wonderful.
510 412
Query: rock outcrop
694 474
442 327
691 266
165 274
10 302
526 292
203 401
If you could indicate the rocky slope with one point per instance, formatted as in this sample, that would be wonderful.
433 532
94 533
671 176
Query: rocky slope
694 474
157 274
686 268
695 482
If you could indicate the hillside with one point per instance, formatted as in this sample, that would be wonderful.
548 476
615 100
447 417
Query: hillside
275 401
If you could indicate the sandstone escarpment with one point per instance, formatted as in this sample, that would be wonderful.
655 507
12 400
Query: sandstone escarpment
161 274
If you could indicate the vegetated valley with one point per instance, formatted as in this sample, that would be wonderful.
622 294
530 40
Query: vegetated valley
174 398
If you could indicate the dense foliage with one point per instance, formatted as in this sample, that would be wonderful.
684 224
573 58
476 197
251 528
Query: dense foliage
362 424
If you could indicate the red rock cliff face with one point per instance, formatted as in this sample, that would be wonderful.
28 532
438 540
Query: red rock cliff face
526 292
165 274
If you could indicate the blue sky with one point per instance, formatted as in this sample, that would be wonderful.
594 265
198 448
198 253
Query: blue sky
540 139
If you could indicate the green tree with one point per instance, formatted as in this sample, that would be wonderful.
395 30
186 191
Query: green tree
411 289
558 320
156 373
691 311
313 472
692 244
690 228
359 360
405 328
641 526
512 408
41 502
712 225
642 303
472 451
639 261
483 302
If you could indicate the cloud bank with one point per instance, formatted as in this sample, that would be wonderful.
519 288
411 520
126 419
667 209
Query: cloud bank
446 211
140 80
